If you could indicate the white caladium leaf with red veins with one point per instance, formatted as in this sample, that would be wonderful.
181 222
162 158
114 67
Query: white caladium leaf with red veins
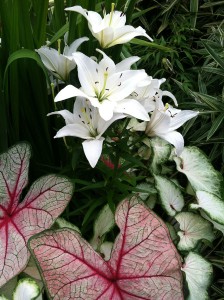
44 202
144 263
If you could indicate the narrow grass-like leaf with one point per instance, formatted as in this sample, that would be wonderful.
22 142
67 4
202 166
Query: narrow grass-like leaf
151 45
194 11
214 55
215 125
211 4
39 17
59 34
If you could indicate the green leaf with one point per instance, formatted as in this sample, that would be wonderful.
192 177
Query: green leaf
198 274
214 55
161 151
59 34
103 224
194 11
170 195
211 4
24 53
62 223
212 205
144 190
210 101
151 45
215 224
8 288
27 289
199 171
215 125
193 229
39 22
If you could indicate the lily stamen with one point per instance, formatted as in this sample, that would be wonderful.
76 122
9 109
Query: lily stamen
111 13
59 46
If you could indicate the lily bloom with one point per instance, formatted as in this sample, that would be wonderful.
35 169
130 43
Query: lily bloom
111 29
86 123
150 93
60 65
107 86
164 122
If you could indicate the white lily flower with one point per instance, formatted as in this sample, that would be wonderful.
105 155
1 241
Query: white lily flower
107 86
150 93
111 29
60 65
86 123
164 122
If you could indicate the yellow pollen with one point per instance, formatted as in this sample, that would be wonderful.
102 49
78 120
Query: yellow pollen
166 106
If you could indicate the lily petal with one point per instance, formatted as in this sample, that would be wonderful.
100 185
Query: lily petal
181 118
121 88
174 138
76 130
93 150
68 50
106 110
132 108
102 125
127 33
106 64
67 115
68 92
126 63
166 93
87 72
159 124
93 18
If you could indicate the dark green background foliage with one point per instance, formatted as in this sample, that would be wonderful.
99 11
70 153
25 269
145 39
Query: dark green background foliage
187 50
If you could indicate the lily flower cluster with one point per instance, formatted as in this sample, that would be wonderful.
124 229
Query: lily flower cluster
108 91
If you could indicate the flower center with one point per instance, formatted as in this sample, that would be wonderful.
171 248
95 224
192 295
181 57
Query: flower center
86 118
102 94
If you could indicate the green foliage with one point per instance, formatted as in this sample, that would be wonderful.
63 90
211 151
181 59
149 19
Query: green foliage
187 50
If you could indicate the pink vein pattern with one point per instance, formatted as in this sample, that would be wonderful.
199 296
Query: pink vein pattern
144 263
44 202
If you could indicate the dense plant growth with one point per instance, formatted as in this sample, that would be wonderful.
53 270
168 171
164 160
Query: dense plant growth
138 158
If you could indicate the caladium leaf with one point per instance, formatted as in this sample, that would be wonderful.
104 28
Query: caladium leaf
170 195
198 273
44 202
193 228
199 171
144 263
161 151
105 250
103 224
27 289
215 224
211 205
